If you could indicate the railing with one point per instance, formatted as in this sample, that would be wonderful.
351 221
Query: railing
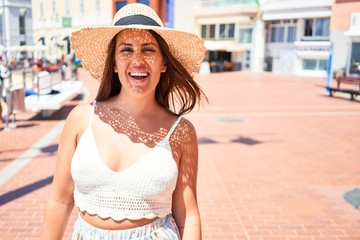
217 3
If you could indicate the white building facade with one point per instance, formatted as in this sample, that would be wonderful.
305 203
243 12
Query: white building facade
297 36
16 26
353 58
229 29
53 22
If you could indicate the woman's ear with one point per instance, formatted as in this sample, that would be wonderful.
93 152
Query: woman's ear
115 68
164 67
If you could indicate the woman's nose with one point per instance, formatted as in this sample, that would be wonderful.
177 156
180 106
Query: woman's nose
138 58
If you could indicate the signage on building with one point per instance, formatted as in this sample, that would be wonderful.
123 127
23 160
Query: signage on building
66 21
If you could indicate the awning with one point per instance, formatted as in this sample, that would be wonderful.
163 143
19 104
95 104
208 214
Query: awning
225 46
313 49
295 14
29 48
227 19
353 33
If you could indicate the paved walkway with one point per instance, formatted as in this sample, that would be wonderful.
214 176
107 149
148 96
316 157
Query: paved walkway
278 161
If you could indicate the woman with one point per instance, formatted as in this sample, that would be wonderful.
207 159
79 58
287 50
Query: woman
128 161
41 82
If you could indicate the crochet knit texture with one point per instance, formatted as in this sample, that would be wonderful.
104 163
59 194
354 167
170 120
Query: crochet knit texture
143 190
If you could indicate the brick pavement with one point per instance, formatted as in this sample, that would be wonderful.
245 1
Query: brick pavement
276 158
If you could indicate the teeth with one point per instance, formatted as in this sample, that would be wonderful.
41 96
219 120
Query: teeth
138 74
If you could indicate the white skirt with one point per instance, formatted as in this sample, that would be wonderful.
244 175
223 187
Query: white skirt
162 228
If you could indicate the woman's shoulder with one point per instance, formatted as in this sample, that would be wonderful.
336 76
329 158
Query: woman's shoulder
80 113
186 124
185 131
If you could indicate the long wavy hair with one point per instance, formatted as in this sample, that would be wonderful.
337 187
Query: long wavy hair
177 92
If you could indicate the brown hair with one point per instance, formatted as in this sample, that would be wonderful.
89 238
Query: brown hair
176 89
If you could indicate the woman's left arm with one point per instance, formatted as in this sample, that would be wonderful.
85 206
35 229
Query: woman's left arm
185 207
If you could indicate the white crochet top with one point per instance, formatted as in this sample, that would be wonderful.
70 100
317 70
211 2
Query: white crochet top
143 190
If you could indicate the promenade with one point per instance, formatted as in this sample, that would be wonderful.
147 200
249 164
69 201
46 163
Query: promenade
278 160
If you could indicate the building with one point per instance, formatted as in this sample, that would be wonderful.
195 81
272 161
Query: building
293 37
16 28
345 36
297 36
53 21
230 30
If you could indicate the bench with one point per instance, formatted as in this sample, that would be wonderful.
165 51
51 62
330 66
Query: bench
353 81
47 104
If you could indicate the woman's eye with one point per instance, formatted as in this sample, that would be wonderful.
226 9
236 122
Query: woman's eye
148 50
126 50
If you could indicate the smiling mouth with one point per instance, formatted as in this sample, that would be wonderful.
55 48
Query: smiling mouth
138 76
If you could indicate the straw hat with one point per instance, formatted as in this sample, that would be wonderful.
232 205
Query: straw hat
90 43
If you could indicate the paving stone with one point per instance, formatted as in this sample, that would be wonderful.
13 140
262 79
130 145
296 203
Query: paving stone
276 158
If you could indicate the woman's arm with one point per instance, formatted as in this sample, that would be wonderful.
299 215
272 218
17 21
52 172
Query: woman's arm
185 207
60 202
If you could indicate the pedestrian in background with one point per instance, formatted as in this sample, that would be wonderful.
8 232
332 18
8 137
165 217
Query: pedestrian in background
4 74
41 84
129 160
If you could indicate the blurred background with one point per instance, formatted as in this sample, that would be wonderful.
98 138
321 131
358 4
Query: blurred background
283 36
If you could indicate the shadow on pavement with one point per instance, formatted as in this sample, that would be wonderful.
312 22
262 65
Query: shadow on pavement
51 149
340 97
15 194
26 125
353 197
58 115
242 140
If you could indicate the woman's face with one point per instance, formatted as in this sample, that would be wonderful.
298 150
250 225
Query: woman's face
138 61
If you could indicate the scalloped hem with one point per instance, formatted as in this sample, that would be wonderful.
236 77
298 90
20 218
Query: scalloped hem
120 217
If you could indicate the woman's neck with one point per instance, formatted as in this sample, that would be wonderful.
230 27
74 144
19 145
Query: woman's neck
138 107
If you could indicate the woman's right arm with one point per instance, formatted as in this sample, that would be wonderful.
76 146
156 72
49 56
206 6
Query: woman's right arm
60 201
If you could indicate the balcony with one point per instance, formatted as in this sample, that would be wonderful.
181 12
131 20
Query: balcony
219 3
275 5
294 9
206 8
312 49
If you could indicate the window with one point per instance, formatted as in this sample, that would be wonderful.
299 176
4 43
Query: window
245 35
317 28
41 10
67 7
291 35
120 4
322 27
97 7
282 31
146 2
355 58
53 8
212 31
308 27
309 64
314 64
169 13
227 31
22 23
203 31
323 64
82 8
277 34
208 31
